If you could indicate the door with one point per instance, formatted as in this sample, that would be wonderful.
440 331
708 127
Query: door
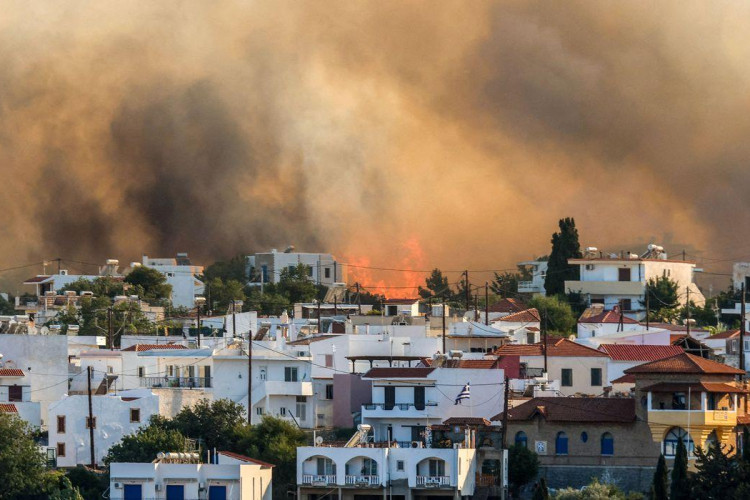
390 398
419 398
132 492
217 493
175 492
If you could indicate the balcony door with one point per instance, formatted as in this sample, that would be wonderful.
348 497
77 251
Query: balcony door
390 398
437 468
419 398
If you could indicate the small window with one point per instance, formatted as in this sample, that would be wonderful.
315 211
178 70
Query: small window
627 304
60 449
263 372
327 272
561 444
329 391
521 439
329 360
282 411
399 465
88 423
259 411
15 393
61 424
584 436
567 377
608 444
290 374
623 274
596 377
141 372
135 415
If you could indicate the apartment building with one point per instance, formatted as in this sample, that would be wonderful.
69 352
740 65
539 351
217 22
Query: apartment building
323 268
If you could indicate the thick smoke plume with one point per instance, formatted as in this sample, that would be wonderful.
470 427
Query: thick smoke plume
363 127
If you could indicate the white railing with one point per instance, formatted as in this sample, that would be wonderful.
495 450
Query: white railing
433 481
316 479
363 480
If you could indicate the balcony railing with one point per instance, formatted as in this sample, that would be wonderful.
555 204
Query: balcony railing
363 480
433 481
318 480
398 406
177 382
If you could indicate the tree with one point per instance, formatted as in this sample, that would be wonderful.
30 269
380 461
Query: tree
22 466
717 474
564 246
556 314
213 422
523 466
680 489
746 445
703 316
295 284
232 269
224 292
7 307
505 284
270 302
145 444
149 284
540 491
662 298
661 480
90 484
103 286
436 285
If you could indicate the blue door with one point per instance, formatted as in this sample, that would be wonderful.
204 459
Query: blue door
133 492
175 492
217 493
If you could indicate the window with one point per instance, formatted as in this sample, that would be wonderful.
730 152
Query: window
60 449
584 436
608 444
747 345
419 398
263 371
596 377
88 423
282 411
437 468
679 401
399 465
15 393
290 374
175 492
567 377
369 467
390 398
623 274
61 424
141 372
675 435
329 391
326 467
627 304
329 360
218 492
302 407
327 272
521 439
561 444
259 411
135 415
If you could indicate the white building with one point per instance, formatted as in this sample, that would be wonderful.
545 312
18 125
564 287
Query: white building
323 268
114 418
182 275
596 322
620 279
523 327
362 471
230 477
538 269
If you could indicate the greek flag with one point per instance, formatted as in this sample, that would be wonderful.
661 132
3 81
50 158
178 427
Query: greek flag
464 394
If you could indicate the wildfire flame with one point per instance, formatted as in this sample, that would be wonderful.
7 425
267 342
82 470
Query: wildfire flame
400 283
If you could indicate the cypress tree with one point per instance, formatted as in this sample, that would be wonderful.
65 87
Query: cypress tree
541 492
680 489
746 445
661 480
565 246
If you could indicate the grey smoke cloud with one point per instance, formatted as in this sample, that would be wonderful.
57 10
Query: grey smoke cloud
361 127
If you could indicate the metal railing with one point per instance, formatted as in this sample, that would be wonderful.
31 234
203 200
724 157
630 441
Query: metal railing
398 406
363 480
316 479
433 481
176 382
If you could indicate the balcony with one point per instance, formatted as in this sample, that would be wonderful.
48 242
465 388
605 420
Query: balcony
400 410
606 287
319 480
687 418
176 382
282 388
363 481
487 480
529 287
433 481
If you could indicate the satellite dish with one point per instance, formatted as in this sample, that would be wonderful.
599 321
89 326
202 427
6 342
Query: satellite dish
319 440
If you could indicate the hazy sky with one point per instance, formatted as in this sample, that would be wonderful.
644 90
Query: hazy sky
397 133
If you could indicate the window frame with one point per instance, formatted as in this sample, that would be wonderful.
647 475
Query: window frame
137 412
89 420
60 449
329 391
611 444
61 418
569 372
521 438
598 371
561 443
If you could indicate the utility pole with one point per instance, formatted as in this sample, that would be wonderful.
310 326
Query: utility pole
443 314
234 319
544 340
91 420
249 377
487 303
620 325
335 305
505 414
476 307
687 307
466 290
59 260
742 334
319 324
359 301
198 311
110 333
648 308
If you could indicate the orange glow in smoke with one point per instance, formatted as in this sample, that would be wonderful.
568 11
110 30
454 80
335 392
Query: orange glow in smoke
391 283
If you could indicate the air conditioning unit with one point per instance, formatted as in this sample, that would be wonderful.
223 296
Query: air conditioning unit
63 272
417 444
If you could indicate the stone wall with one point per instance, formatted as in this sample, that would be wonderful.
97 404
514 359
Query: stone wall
626 478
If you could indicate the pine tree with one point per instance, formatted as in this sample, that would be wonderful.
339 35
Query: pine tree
680 489
565 246
661 480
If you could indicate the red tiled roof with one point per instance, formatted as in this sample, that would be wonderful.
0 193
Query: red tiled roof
559 409
8 408
625 379
473 363
555 347
743 419
685 363
526 316
237 456
507 306
467 421
36 279
11 372
398 373
532 329
608 317
717 387
627 352
729 334
149 347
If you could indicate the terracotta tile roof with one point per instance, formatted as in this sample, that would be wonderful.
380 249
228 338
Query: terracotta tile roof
525 316
743 419
685 363
237 456
718 387
625 379
36 279
11 372
729 334
532 329
555 347
472 363
8 408
467 421
150 347
559 409
398 373
627 352
508 306
673 328
400 301
608 317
